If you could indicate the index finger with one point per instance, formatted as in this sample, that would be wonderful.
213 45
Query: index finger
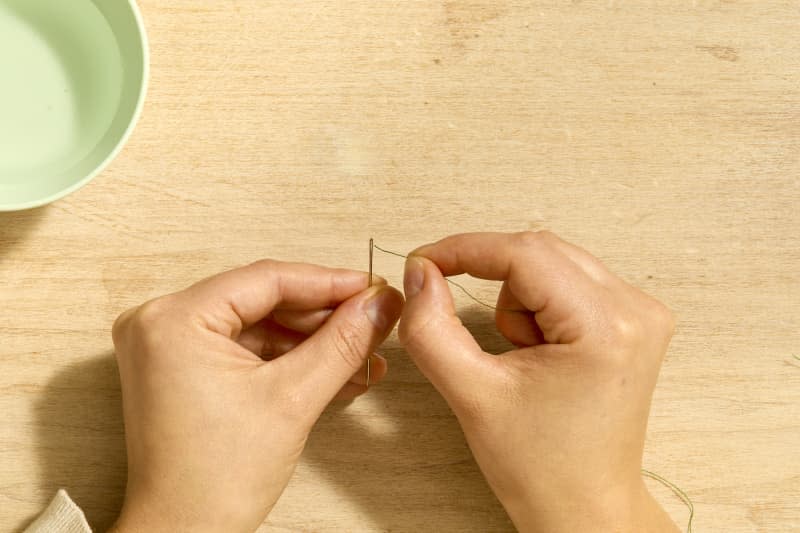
234 300
534 267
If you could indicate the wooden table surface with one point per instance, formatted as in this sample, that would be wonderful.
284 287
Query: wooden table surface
663 136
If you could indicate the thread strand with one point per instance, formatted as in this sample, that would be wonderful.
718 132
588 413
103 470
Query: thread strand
451 282
678 492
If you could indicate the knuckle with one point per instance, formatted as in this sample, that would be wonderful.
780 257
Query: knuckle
624 329
632 332
620 347
121 325
528 238
536 239
665 318
141 324
139 333
547 236
655 316
264 263
150 314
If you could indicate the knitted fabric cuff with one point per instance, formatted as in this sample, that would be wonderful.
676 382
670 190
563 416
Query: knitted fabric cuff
61 516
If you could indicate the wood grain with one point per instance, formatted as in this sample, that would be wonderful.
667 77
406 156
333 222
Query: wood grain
663 136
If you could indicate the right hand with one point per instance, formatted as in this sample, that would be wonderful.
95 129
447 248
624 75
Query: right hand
558 425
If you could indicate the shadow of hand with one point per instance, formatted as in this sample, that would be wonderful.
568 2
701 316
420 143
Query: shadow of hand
80 438
399 452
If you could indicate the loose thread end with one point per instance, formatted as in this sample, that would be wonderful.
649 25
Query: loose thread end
678 492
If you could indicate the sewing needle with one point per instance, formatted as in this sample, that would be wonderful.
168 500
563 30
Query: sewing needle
371 246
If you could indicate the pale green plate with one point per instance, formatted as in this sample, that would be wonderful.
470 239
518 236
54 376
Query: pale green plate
73 76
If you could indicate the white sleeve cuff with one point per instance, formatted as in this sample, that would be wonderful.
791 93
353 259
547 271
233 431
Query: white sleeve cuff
61 516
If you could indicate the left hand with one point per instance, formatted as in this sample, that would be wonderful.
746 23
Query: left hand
222 382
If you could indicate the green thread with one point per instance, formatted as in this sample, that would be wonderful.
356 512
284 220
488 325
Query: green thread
678 491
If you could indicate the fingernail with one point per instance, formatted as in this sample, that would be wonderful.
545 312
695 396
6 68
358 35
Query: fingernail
383 307
414 277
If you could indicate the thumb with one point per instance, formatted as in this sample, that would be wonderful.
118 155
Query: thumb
437 341
324 362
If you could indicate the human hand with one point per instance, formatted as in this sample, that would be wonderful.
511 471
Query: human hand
558 425
222 382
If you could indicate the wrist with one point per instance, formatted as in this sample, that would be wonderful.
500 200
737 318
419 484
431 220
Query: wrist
151 524
141 517
615 510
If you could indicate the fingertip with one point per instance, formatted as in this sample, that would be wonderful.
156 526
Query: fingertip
413 276
429 300
435 292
